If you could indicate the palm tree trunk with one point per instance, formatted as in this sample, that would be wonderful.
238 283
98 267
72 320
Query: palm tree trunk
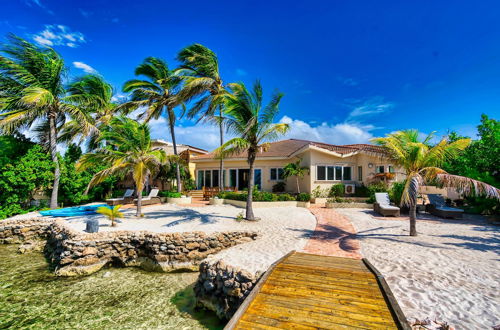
177 167
55 160
413 218
298 186
249 208
221 165
139 203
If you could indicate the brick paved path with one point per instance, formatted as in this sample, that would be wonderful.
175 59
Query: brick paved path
334 235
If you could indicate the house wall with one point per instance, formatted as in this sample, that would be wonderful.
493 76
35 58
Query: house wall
310 159
264 164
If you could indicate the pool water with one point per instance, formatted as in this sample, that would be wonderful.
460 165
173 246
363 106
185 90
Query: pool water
31 296
73 211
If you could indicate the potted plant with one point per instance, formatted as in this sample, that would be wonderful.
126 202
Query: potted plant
303 200
330 203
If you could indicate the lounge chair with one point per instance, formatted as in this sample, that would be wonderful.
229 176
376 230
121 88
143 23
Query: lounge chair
439 208
152 198
383 205
127 198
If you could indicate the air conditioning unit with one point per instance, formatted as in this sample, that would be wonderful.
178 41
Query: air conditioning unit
349 189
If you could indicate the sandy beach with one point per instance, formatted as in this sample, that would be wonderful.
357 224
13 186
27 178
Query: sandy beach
280 229
450 272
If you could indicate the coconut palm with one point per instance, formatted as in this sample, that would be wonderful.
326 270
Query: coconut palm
422 162
95 96
253 125
32 94
199 70
128 150
111 212
157 95
294 169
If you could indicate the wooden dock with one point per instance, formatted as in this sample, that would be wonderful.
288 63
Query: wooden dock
308 291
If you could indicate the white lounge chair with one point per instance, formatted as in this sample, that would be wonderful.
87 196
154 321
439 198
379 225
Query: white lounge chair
152 198
127 198
438 207
383 205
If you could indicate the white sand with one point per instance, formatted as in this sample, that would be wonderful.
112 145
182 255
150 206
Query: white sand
450 272
280 229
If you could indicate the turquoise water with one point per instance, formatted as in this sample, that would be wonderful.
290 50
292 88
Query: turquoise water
31 297
73 211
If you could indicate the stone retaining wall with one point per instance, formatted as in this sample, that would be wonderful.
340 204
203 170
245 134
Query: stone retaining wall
75 253
22 230
222 288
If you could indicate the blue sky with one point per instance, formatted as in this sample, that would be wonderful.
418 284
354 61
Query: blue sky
350 70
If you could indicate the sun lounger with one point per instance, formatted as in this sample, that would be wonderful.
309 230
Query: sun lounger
383 205
439 208
152 198
127 198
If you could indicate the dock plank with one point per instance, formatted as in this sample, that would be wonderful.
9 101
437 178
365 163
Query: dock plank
306 291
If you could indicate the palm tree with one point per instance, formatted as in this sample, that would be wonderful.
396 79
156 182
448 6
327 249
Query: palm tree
253 125
157 95
127 151
111 212
294 169
422 162
199 70
32 94
95 96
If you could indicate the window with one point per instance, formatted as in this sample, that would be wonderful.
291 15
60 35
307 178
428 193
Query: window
360 173
233 177
380 169
346 176
321 175
391 169
333 173
257 178
277 174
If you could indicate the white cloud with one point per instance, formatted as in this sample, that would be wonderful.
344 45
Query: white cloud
348 81
85 67
118 97
341 133
39 4
85 13
241 72
372 106
59 35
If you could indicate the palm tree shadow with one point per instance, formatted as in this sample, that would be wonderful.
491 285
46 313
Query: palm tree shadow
187 215
482 244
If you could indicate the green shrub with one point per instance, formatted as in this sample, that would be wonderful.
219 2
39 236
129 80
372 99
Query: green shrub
285 197
279 187
233 195
303 197
318 192
337 190
170 194
396 192
361 191
375 188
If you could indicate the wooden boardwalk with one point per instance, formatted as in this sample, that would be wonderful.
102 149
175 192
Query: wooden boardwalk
308 291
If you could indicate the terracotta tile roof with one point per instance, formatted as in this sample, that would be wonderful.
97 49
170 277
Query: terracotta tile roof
286 148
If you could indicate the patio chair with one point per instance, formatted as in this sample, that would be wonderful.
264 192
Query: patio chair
383 205
128 197
152 198
439 208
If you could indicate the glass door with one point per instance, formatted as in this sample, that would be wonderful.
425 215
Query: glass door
257 178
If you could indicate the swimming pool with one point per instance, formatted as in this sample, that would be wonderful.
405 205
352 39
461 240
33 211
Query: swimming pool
72 211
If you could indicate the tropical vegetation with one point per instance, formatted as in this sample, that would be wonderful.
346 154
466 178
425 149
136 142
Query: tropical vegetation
33 96
112 213
253 125
128 151
422 161
295 170
69 113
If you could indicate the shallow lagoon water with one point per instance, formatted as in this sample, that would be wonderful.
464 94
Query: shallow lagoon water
31 297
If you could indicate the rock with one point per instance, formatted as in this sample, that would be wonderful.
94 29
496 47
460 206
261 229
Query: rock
107 274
